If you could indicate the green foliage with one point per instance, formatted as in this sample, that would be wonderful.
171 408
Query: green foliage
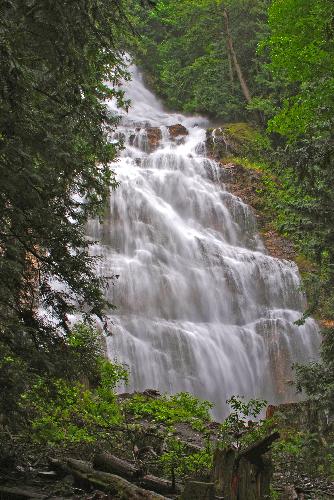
182 407
67 412
70 409
183 52
78 407
302 49
317 379
178 462
64 413
305 452
274 494
235 428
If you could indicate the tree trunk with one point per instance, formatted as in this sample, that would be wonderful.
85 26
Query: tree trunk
234 58
88 478
230 66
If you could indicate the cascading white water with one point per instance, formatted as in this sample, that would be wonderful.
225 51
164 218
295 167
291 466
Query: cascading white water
200 305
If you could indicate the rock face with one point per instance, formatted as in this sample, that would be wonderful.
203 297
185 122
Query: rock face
247 183
234 139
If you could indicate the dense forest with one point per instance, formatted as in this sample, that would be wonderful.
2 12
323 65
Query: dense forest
264 69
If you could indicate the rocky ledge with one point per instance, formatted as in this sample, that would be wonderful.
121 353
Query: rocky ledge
227 144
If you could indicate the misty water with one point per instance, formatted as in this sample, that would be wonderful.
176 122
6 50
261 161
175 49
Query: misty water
201 306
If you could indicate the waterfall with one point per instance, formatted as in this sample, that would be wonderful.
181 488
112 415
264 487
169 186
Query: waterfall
201 306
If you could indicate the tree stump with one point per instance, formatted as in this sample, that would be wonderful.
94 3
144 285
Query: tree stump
245 474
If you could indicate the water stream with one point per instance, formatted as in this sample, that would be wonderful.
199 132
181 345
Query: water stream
201 307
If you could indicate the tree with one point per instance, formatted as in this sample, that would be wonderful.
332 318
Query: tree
301 46
317 379
54 160
201 56
233 57
302 49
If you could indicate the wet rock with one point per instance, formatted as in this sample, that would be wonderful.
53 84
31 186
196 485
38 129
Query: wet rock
154 137
177 130
278 246
153 393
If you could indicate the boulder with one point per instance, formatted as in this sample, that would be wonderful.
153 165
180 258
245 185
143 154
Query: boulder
196 490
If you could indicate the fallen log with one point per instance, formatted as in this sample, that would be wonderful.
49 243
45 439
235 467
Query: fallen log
115 485
159 485
7 493
89 479
80 465
109 463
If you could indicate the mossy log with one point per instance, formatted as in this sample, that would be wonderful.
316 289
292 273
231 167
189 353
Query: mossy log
159 485
109 463
89 479
118 487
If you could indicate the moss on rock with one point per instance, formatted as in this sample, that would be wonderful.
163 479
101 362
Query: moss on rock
236 139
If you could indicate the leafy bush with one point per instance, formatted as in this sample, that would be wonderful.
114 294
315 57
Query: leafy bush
178 462
304 453
64 412
235 427
182 407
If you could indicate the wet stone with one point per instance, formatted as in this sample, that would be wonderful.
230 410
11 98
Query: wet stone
177 130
